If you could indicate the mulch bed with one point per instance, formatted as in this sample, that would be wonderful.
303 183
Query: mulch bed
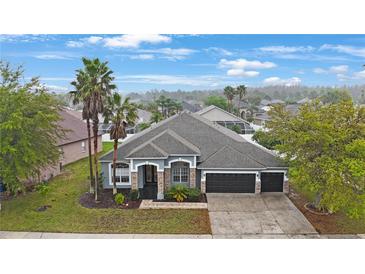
201 199
323 223
106 200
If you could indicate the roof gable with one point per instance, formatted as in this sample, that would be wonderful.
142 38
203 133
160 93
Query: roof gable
228 157
214 113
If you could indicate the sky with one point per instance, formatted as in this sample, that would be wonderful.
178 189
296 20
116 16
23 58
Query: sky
192 62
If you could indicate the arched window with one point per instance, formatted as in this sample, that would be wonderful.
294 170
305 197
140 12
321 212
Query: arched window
180 172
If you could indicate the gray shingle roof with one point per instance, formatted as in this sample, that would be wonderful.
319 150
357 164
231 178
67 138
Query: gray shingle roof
200 134
147 150
223 158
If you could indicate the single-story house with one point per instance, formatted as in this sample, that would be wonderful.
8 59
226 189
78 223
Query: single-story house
190 106
74 146
191 150
144 116
225 118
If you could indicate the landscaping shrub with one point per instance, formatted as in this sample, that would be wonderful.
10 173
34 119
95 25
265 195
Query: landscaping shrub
194 194
134 195
42 188
119 198
178 192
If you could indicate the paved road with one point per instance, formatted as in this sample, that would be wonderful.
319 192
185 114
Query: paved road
270 215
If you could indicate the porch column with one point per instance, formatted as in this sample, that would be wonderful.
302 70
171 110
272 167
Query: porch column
134 180
258 183
192 178
160 185
286 184
167 178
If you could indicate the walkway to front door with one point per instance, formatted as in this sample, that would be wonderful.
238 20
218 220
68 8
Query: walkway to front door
238 215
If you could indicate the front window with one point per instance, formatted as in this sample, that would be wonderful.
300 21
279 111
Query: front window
180 172
121 173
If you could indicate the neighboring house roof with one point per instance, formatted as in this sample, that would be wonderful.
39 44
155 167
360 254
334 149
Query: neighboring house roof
262 116
144 116
303 101
190 107
219 114
75 128
276 101
218 146
264 102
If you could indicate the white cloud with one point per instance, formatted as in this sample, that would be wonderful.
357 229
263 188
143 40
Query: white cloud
134 40
52 57
360 74
218 51
276 81
320 71
355 51
74 44
169 53
242 73
93 39
142 57
339 69
238 67
161 79
245 64
285 49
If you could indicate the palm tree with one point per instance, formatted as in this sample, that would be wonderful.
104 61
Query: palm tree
100 85
82 94
229 92
241 91
120 114
156 117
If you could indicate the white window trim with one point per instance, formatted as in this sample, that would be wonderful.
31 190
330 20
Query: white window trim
120 183
180 182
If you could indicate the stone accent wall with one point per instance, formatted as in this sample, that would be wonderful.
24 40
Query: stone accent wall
134 180
167 178
258 185
202 186
160 185
192 177
286 186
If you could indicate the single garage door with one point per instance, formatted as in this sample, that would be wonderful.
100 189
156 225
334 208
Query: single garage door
272 182
230 183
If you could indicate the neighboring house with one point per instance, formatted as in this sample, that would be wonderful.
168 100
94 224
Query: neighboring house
191 150
74 146
190 106
261 118
226 119
144 116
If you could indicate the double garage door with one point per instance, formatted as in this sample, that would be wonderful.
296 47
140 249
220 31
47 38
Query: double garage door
243 183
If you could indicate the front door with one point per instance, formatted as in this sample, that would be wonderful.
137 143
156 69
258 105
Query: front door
151 174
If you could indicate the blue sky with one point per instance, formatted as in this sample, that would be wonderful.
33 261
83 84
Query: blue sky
190 62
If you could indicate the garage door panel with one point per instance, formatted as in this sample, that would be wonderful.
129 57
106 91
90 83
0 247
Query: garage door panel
272 181
230 183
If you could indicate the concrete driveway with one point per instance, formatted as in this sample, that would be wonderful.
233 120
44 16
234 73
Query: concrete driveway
269 215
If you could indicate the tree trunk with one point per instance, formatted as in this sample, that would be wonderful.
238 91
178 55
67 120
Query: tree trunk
90 157
95 128
317 200
114 163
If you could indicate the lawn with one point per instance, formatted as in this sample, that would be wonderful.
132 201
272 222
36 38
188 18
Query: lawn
67 215
337 223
